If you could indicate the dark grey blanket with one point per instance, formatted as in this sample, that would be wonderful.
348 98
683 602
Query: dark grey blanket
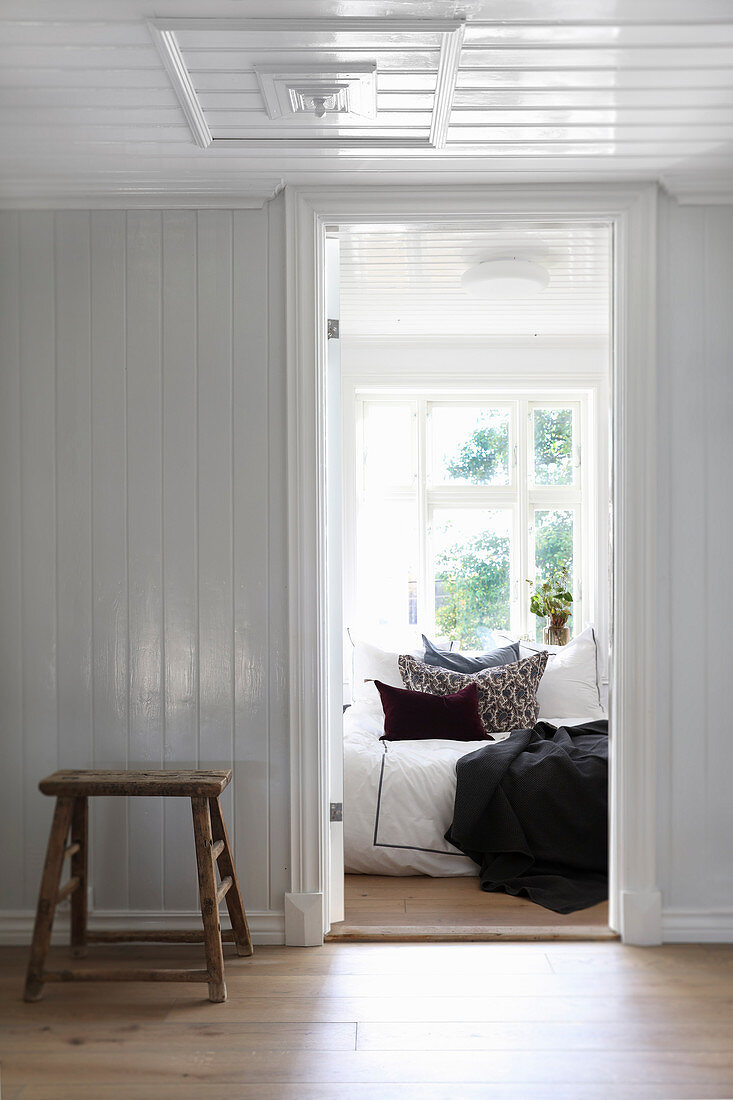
532 811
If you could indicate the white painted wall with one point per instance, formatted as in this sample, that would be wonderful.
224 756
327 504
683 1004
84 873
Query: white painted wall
142 538
142 544
695 551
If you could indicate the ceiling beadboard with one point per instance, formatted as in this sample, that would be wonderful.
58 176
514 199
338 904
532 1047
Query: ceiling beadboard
406 280
545 90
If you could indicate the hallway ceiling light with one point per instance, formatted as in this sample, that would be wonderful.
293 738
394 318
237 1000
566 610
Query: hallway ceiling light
506 277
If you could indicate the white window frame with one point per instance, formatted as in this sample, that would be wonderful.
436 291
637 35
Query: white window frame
585 497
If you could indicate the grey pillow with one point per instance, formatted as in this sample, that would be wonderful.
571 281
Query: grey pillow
507 695
459 662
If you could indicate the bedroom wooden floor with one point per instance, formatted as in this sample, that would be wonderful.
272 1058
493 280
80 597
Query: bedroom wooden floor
505 1021
421 908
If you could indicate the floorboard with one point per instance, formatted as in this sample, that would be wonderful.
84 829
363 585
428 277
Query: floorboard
392 1021
415 908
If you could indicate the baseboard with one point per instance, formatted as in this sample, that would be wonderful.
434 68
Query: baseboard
16 925
641 917
697 925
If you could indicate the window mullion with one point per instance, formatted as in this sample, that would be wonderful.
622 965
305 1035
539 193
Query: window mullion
523 533
425 592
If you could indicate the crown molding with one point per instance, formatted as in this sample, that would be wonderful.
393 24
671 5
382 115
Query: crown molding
130 194
698 189
500 340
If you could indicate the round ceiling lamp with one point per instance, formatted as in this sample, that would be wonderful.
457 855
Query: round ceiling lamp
507 277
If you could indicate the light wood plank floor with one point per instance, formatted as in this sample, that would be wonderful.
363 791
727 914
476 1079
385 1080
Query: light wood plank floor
422 908
461 1021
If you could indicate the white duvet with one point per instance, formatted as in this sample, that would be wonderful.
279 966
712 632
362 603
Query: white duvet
398 800
398 795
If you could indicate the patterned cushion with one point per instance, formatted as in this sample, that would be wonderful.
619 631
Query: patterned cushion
507 694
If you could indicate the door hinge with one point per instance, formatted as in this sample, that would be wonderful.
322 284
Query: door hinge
337 811
332 329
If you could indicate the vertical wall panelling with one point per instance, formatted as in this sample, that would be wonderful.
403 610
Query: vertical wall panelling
277 611
111 658
144 534
73 486
718 281
11 628
216 686
686 335
251 553
38 528
180 502
696 453
142 539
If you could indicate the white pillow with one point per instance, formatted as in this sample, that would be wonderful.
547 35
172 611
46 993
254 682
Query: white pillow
569 687
372 663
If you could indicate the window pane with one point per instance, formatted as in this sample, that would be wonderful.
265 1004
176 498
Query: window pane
553 446
470 446
388 445
471 550
553 550
387 562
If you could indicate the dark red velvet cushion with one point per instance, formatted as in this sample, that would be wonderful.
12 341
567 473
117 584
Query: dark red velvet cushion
421 716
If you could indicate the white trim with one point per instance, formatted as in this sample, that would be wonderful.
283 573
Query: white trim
632 210
697 925
633 868
127 193
696 189
163 32
16 925
355 24
304 920
445 85
477 340
172 58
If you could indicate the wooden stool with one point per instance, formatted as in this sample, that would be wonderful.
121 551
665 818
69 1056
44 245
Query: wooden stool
72 789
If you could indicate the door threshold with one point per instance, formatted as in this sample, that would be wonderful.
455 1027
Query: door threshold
353 933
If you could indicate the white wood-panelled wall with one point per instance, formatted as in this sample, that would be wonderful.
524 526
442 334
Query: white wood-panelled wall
142 545
695 537
142 537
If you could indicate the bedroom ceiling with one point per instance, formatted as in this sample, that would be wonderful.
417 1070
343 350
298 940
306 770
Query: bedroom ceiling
405 280
126 94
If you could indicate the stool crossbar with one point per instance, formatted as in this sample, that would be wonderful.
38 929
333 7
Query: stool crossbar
68 840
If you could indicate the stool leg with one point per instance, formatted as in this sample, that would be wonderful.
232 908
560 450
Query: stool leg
47 898
207 894
79 861
233 897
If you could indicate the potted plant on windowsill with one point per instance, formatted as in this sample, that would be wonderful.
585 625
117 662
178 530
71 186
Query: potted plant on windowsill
553 601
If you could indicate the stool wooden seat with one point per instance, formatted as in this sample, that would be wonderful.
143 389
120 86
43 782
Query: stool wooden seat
68 840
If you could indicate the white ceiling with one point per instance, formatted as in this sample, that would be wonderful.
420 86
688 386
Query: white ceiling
544 89
405 280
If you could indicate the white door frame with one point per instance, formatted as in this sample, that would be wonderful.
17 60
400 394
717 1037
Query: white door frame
631 209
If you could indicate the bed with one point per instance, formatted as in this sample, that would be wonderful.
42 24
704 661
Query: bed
399 795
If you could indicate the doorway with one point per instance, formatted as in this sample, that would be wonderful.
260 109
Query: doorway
634 899
474 454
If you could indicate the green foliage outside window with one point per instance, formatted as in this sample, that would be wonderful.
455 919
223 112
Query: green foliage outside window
472 590
473 577
483 458
553 446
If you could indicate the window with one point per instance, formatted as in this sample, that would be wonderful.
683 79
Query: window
458 499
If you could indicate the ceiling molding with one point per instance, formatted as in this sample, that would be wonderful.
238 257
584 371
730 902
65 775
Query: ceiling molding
700 190
450 57
167 47
91 194
450 31
550 340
